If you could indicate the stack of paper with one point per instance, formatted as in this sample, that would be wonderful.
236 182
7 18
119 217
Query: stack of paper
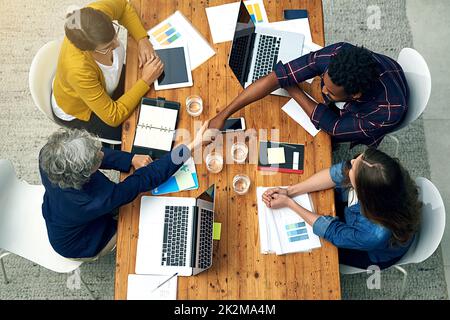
184 179
282 230
177 29
145 287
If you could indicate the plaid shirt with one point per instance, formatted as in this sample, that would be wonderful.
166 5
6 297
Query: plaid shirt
364 121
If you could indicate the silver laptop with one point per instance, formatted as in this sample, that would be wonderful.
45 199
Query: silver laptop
257 49
175 234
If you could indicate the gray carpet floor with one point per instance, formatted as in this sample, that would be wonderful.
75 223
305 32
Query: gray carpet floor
24 130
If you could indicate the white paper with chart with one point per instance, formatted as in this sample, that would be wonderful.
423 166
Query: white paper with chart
176 29
156 127
282 230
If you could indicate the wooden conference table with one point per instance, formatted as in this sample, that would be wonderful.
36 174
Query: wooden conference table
239 270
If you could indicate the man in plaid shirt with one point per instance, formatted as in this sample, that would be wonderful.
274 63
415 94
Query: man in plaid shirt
372 86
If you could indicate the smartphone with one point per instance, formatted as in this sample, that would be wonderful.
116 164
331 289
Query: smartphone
234 124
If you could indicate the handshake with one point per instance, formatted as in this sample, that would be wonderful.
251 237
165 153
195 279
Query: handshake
208 132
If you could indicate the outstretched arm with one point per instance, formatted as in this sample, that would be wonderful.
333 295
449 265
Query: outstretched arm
254 92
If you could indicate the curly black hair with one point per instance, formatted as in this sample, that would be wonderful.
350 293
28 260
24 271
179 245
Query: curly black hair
353 68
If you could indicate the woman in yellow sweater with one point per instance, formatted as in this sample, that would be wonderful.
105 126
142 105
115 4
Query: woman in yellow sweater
90 66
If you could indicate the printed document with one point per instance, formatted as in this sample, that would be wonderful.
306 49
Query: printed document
284 231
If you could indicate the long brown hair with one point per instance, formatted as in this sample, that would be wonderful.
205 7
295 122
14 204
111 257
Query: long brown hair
87 28
387 195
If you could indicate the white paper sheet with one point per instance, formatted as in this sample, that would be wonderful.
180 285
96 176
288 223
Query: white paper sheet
222 19
282 230
142 287
294 25
177 28
293 109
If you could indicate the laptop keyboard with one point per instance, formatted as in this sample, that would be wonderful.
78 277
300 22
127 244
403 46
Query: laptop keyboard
206 241
175 236
266 57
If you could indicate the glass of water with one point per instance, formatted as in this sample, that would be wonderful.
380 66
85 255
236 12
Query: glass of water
241 184
214 162
194 105
239 152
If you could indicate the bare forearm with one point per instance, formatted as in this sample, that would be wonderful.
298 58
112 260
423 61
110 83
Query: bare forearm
307 104
254 92
317 182
308 216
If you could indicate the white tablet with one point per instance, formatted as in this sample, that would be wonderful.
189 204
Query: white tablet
177 69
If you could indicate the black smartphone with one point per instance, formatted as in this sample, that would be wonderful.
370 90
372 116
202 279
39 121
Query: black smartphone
234 124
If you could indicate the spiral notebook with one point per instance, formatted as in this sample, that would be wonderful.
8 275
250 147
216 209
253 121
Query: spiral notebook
156 127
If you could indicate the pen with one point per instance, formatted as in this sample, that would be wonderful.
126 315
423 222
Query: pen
176 273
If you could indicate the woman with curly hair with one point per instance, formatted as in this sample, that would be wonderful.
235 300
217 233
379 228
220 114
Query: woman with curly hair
80 202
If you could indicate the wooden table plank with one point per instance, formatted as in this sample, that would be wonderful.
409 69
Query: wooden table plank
239 270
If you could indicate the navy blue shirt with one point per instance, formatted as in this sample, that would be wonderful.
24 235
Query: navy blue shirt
357 232
80 222
363 121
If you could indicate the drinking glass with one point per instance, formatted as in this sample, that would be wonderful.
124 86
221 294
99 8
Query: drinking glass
239 152
194 105
241 184
214 162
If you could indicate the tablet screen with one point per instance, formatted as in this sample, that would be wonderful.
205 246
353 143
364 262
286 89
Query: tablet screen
175 70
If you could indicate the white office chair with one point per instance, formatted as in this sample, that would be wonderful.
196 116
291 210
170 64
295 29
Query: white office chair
418 78
42 72
430 233
22 227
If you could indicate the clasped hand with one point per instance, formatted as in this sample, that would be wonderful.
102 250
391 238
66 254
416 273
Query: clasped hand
276 198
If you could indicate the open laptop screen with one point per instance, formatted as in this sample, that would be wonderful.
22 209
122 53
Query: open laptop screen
240 56
208 195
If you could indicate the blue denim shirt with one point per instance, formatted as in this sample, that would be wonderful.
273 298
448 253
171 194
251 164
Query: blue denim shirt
356 232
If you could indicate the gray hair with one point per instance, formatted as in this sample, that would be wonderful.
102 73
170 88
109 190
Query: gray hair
70 157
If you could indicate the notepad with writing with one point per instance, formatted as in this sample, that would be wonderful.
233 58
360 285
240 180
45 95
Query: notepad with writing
156 127
281 157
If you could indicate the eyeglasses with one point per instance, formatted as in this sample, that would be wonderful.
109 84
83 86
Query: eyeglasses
108 48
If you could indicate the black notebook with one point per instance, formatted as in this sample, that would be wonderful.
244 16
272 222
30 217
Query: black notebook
281 157
156 127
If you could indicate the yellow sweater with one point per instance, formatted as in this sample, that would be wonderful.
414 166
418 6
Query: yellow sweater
79 85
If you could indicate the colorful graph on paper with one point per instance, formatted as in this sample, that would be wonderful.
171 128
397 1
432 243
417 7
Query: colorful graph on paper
166 34
255 12
296 232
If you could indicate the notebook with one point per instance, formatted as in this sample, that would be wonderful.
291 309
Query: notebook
281 157
184 179
156 127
